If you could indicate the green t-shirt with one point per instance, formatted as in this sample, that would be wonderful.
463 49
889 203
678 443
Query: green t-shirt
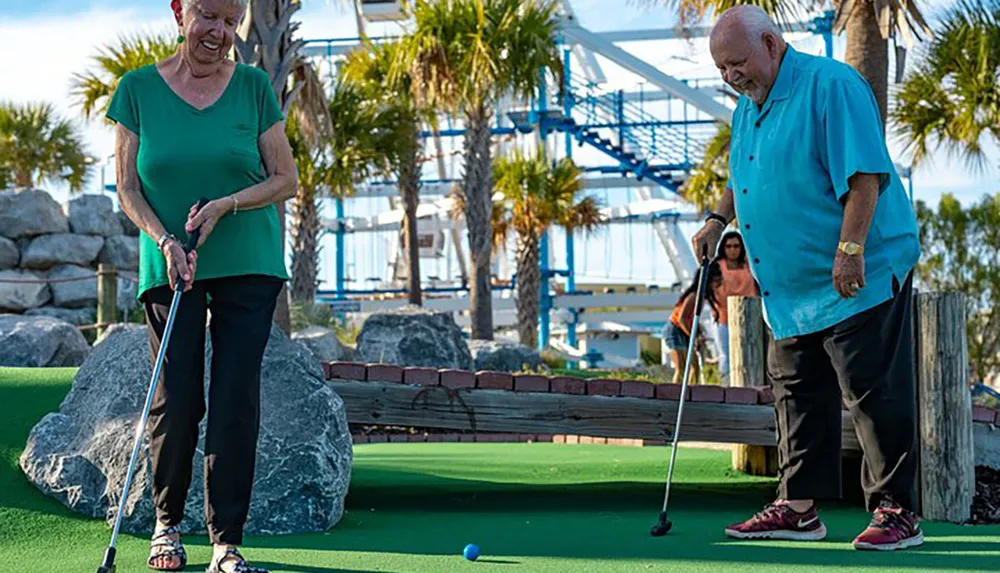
185 154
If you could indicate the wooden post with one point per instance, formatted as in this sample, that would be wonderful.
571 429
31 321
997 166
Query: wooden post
107 297
947 459
748 369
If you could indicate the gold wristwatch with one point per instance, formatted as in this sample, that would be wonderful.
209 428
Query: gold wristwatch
851 248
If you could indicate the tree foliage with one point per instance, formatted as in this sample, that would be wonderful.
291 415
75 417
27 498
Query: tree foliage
37 145
961 252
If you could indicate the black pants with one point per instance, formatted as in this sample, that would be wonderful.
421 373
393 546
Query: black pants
866 361
242 309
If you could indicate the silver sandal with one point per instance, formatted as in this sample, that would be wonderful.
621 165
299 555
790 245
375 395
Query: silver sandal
162 546
241 566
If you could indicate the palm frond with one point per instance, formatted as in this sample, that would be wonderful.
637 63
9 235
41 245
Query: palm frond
94 87
37 145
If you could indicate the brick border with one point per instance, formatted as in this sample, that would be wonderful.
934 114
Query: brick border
491 381
506 438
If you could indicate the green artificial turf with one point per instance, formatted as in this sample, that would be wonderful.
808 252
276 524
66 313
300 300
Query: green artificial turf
530 507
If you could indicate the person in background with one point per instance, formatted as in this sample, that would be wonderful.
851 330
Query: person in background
736 281
677 331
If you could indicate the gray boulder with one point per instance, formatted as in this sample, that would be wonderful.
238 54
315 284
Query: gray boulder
47 251
413 336
20 296
9 253
120 251
323 343
79 455
93 215
503 356
30 212
73 293
40 341
129 228
77 317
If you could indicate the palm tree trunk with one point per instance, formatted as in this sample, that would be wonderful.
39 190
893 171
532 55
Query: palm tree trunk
305 245
529 279
409 187
478 188
868 52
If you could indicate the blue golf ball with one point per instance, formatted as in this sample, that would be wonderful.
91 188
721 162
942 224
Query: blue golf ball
471 552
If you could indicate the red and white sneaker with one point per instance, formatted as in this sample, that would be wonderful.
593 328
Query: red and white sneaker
779 521
891 528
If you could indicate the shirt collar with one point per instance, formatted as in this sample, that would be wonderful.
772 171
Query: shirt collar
786 74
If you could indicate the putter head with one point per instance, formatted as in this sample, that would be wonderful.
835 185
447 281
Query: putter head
662 526
109 561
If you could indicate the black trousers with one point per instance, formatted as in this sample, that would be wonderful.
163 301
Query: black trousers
242 309
868 362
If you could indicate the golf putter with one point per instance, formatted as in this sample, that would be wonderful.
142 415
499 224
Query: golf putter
109 555
663 525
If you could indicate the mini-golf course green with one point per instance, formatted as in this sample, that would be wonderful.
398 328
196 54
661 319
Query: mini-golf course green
530 507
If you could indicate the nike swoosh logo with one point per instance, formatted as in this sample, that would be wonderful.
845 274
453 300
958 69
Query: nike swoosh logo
806 523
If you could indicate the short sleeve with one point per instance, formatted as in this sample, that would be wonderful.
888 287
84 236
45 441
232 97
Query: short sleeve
270 109
123 108
853 139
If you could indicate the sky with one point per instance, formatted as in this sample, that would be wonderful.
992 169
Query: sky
46 41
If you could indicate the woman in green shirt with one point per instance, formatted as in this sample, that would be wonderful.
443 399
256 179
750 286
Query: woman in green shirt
200 125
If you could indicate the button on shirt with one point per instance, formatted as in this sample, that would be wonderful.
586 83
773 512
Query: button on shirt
789 165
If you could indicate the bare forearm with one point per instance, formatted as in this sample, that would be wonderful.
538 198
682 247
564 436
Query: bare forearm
275 189
859 208
725 206
129 188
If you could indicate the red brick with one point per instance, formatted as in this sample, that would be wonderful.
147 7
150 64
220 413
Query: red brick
638 389
586 440
458 379
766 395
360 438
348 370
736 395
494 380
399 438
558 439
417 438
435 438
326 369
531 383
491 438
466 438
378 439
670 392
707 393
600 440
982 414
568 385
544 438
572 439
421 376
526 438
450 438
655 442
603 387
385 373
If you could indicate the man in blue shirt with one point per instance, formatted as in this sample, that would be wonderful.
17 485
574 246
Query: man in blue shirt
832 240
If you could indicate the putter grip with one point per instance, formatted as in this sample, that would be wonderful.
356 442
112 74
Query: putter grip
196 234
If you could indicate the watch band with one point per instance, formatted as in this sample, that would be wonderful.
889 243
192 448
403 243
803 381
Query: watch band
717 217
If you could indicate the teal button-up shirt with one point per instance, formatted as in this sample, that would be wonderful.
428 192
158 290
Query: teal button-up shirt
789 165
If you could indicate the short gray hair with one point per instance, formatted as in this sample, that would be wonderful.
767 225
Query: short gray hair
185 4
756 22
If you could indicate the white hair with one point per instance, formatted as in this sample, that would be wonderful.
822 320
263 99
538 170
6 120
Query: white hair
186 4
754 20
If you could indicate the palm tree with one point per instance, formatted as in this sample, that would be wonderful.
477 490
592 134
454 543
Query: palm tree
463 55
537 195
363 144
952 98
707 181
869 25
371 68
95 87
37 145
